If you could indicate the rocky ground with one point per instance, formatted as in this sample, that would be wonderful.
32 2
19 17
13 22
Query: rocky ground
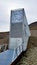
31 53
31 58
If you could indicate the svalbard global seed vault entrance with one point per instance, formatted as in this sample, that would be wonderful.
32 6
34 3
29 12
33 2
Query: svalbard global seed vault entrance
18 37
19 32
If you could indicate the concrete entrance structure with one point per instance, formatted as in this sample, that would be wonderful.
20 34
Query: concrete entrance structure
18 38
19 32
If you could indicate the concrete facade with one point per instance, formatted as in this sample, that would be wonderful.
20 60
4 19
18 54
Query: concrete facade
19 31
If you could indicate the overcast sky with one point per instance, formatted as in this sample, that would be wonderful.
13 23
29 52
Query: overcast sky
6 6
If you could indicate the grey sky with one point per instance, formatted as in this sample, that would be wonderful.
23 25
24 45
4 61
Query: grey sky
30 7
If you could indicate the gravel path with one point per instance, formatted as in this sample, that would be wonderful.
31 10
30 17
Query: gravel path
31 58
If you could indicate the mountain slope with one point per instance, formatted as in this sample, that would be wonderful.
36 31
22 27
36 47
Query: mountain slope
33 26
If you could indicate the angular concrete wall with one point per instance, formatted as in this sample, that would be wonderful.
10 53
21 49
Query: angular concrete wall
18 30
